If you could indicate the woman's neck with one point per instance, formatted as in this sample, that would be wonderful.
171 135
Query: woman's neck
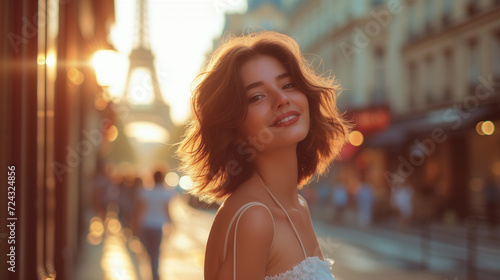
279 172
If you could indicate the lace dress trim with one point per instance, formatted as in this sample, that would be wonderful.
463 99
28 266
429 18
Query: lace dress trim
312 268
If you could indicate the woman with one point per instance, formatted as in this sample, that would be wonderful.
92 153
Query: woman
263 124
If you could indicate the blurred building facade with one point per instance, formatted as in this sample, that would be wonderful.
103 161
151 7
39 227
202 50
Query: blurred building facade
420 79
54 121
261 15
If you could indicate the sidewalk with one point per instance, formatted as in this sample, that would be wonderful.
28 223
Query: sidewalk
183 255
110 252
115 254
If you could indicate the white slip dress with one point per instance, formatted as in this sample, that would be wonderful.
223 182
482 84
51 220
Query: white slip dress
311 268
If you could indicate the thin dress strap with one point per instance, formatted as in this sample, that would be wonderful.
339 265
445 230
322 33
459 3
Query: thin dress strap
238 215
289 219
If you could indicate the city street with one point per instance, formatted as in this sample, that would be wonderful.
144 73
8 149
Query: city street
184 256
107 102
372 253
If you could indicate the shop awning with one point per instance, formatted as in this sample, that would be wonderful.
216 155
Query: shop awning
451 120
391 136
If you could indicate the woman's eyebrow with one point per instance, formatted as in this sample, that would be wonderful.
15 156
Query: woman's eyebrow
258 84
282 76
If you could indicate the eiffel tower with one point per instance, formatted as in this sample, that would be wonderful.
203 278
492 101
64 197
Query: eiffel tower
141 57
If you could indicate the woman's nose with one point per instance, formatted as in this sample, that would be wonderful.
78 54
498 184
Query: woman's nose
281 99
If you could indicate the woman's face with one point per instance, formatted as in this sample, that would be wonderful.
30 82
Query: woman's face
278 113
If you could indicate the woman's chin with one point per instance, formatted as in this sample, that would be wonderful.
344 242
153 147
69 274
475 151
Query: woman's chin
290 139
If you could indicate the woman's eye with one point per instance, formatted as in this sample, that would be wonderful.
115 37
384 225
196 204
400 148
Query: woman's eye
288 86
255 98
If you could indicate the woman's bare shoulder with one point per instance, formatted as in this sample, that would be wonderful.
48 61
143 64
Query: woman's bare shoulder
256 223
237 201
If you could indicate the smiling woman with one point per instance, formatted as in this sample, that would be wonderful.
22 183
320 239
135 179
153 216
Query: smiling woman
220 103
263 124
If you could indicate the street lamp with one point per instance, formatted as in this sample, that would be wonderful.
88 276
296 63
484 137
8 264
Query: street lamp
108 65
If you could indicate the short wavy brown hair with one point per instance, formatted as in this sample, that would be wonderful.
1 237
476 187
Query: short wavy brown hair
209 150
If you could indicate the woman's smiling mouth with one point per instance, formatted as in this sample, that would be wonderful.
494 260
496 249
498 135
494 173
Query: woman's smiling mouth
286 119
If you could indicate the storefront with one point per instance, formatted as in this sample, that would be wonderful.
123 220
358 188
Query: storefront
47 96
440 153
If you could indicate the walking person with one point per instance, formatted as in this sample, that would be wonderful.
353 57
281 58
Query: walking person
340 199
492 201
154 205
263 124
366 201
402 199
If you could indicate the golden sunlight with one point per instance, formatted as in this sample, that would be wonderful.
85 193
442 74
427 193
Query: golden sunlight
109 67
147 132
140 90
195 23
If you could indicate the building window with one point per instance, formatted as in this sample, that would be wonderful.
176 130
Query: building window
447 13
474 64
496 56
429 80
375 3
412 21
379 89
412 85
429 9
471 7
448 75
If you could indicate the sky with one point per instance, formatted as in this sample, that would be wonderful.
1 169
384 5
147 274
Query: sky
181 34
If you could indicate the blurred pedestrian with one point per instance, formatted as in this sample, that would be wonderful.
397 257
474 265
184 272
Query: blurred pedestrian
100 194
366 201
127 200
402 197
340 199
264 123
136 189
154 206
492 200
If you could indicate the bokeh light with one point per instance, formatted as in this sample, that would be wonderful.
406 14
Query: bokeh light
111 133
172 179
356 138
40 59
114 226
99 103
96 227
51 59
479 128
488 128
186 183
